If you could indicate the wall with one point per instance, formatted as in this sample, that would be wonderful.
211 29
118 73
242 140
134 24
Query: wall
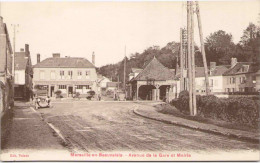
47 76
19 77
237 84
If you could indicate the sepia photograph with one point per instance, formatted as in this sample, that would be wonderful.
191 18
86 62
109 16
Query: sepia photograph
130 80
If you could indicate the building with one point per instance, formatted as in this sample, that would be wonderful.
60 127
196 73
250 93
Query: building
23 74
68 74
154 82
6 78
134 73
216 78
112 86
240 77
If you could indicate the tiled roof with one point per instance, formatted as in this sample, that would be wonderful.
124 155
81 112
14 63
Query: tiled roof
218 71
156 71
248 68
20 61
67 62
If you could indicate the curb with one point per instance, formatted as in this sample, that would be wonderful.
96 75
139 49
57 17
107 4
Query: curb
230 135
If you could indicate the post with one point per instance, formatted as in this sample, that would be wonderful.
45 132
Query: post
181 62
125 72
189 55
193 61
202 48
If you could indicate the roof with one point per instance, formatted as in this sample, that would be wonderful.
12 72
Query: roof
137 70
20 61
112 84
67 62
247 66
218 71
156 71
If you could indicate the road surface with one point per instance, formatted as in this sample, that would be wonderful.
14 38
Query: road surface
112 126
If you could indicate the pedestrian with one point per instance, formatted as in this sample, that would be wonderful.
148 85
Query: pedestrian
48 100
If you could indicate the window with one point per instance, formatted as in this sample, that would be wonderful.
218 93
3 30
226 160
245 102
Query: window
42 73
82 86
232 80
87 74
62 74
62 87
79 74
52 74
70 73
233 89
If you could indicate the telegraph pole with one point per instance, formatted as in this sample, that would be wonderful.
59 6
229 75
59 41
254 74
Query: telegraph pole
125 72
189 56
202 48
14 39
193 60
181 61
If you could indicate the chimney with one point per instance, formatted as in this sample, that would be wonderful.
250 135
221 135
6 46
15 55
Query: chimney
93 58
212 65
1 25
22 50
38 58
56 55
26 48
233 62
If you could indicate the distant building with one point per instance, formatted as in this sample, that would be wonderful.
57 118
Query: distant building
6 78
240 77
102 84
112 86
154 82
23 74
69 74
216 78
134 73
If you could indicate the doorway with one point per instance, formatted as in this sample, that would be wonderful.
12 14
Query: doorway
70 91
52 91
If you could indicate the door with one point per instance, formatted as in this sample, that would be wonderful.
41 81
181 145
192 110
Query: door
70 91
52 91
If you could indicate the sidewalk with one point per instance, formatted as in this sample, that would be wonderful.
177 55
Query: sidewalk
24 129
151 113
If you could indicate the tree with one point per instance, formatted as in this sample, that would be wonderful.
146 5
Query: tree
250 43
219 47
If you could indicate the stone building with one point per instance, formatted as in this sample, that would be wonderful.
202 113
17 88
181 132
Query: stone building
68 74
154 82
23 74
6 78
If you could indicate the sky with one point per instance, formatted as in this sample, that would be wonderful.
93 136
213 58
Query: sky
77 28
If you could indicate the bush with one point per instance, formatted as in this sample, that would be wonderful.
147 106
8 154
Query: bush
182 103
242 110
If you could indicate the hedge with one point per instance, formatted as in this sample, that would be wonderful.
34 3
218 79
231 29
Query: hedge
242 110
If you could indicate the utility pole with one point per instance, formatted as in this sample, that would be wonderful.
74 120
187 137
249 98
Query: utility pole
14 39
125 72
189 56
202 48
193 60
181 61
13 58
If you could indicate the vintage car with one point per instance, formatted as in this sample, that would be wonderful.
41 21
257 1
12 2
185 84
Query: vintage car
41 98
